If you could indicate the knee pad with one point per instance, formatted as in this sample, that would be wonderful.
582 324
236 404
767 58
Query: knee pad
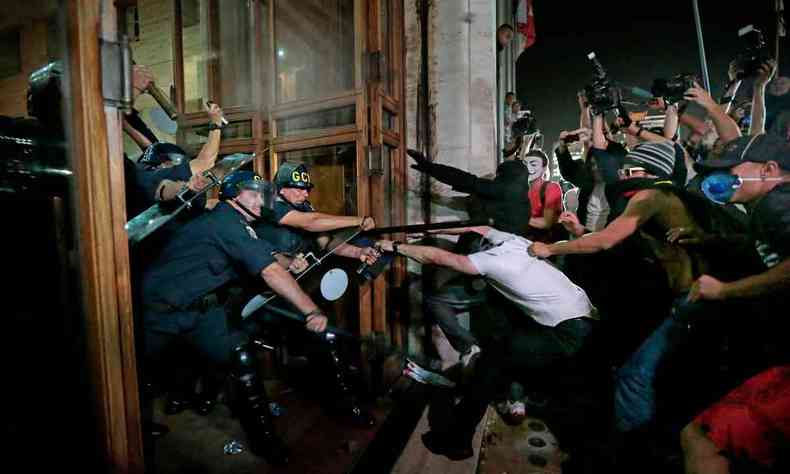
244 360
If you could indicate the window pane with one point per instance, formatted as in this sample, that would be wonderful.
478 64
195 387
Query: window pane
333 171
314 48
318 120
218 57
235 60
194 31
390 120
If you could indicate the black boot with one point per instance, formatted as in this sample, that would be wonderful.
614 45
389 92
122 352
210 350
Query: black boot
253 409
342 401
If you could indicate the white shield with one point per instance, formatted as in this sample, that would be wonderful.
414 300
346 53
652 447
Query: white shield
334 284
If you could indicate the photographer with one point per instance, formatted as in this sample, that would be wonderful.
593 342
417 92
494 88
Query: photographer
764 75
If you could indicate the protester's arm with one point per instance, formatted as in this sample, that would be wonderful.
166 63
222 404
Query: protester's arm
726 127
208 154
671 122
432 256
320 222
764 75
640 208
460 180
772 281
599 134
584 111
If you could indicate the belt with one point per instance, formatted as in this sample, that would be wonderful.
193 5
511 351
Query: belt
201 305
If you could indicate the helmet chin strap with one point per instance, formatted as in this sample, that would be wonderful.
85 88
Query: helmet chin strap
246 210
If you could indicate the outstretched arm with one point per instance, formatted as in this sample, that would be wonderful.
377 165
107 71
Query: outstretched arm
640 208
432 256
320 222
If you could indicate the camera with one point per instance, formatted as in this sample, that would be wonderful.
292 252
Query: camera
756 53
600 93
571 138
673 89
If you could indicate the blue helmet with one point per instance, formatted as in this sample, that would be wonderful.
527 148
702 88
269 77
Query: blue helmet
237 181
160 152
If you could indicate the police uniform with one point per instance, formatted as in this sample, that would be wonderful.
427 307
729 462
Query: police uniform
322 349
182 293
181 288
286 239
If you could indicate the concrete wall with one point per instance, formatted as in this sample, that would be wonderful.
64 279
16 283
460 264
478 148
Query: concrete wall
462 82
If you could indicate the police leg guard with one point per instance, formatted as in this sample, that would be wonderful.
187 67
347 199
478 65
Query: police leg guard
342 401
253 407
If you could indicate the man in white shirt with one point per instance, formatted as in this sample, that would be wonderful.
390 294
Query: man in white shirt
552 324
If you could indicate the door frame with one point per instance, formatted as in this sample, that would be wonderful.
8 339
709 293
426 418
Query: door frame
97 157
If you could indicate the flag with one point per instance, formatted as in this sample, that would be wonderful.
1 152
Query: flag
525 23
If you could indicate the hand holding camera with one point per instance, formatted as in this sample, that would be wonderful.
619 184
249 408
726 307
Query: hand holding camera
700 96
765 72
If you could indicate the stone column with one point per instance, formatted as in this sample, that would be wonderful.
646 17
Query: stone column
462 82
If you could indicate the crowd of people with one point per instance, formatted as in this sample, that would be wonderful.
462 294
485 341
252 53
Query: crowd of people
643 296
657 293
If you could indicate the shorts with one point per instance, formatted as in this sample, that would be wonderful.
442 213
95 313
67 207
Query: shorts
752 422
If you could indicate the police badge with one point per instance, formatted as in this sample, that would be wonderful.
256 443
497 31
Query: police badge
251 232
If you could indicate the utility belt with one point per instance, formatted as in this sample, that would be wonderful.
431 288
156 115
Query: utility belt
201 305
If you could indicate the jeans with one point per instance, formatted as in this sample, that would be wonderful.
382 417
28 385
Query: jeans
634 392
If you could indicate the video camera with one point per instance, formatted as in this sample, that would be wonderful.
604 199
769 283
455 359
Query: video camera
756 53
601 94
673 89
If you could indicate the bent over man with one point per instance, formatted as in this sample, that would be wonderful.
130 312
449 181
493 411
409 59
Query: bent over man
553 323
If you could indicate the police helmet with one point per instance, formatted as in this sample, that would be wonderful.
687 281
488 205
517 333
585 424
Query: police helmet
159 152
293 175
237 181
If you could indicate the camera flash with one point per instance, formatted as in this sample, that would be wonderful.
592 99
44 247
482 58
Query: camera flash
591 55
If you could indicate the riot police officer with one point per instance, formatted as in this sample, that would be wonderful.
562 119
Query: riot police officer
183 298
294 229
297 227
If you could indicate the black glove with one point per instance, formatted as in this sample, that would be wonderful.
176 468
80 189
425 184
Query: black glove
421 161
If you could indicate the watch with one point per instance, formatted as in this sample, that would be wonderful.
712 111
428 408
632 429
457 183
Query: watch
395 246
213 126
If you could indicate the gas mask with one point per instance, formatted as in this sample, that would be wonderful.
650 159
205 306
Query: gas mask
720 186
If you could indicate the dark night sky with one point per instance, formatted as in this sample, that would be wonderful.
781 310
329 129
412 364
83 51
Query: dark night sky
636 41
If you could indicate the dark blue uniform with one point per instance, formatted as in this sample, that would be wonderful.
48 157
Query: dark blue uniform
286 239
180 287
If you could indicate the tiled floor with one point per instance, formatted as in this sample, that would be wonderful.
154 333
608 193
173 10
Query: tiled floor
529 448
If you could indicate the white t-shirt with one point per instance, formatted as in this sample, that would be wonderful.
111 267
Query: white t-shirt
597 209
534 285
